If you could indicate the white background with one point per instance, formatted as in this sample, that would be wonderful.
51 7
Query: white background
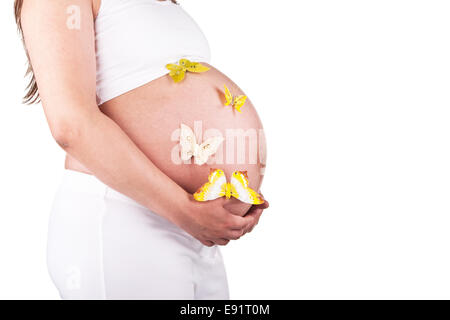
355 99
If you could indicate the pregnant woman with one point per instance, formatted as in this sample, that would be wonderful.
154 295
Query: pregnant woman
125 223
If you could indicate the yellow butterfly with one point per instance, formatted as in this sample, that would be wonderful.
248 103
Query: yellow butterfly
217 187
236 102
178 71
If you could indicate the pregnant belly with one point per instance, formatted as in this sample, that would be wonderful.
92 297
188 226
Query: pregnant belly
151 116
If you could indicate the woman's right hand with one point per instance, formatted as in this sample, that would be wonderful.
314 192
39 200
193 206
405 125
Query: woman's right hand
210 223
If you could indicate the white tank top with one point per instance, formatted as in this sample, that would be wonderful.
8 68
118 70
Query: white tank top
135 39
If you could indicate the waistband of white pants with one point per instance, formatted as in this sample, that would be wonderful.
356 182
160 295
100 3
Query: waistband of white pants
83 182
86 183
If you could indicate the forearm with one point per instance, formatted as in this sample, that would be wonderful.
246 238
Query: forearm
105 149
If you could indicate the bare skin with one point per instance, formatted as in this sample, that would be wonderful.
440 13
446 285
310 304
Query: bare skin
157 111
109 143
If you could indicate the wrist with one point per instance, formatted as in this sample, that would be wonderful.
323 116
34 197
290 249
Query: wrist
185 204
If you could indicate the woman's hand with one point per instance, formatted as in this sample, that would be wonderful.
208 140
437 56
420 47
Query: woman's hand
255 212
210 223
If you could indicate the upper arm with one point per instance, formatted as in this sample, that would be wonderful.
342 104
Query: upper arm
60 39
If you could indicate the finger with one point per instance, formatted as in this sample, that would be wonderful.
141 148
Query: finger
256 215
255 212
235 234
257 208
263 205
207 243
248 227
221 242
239 223
253 227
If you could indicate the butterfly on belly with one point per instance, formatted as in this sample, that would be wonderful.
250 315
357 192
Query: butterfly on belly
201 152
217 187
178 71
236 102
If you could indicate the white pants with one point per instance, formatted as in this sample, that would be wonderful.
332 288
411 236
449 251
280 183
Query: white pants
104 245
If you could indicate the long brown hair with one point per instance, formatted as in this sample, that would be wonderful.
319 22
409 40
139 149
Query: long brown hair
32 92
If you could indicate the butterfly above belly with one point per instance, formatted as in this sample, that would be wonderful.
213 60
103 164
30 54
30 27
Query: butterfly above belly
236 102
178 71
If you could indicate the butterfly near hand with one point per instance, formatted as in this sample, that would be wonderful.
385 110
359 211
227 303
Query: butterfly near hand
190 148
178 71
217 187
236 102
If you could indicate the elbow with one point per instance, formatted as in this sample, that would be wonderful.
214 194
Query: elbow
70 124
66 133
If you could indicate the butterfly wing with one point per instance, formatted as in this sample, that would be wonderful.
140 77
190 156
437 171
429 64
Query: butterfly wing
187 142
214 188
196 67
176 72
239 101
228 96
207 149
241 190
